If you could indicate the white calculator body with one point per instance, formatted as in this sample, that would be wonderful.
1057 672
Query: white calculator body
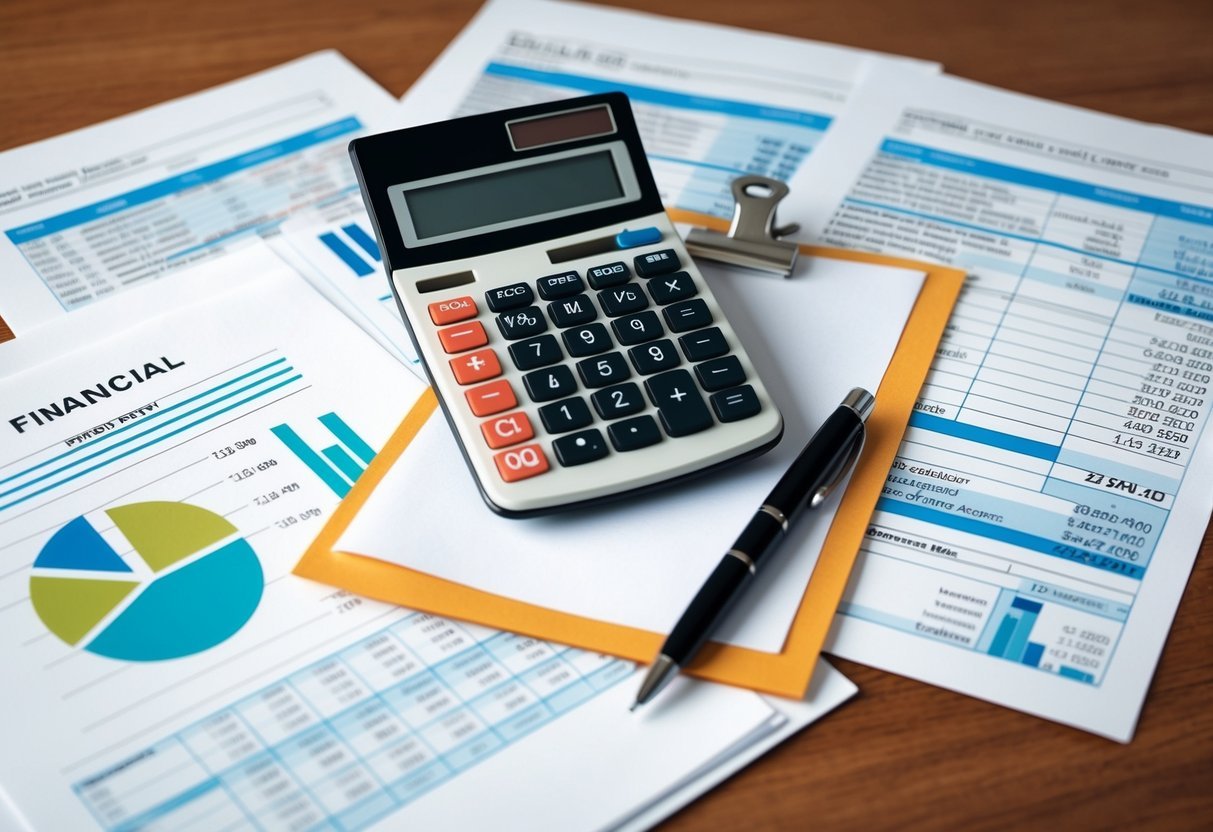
577 352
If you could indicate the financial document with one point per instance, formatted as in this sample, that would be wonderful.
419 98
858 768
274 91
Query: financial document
335 248
712 103
1038 527
161 468
92 213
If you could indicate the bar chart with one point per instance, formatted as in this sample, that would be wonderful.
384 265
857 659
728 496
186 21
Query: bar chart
337 465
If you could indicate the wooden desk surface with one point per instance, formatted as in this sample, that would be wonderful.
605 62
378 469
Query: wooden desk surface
902 754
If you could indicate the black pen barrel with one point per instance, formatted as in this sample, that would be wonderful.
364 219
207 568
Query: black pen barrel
822 456
710 604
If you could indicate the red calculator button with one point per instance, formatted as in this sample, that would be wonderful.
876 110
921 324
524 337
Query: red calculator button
463 337
510 429
520 463
491 398
445 312
475 366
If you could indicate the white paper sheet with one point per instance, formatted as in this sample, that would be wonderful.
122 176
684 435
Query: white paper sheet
222 692
92 213
638 563
711 102
1056 480
337 251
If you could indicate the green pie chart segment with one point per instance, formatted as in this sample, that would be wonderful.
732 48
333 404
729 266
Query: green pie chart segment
164 533
85 593
71 607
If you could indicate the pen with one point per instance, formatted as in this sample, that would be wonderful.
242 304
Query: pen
825 460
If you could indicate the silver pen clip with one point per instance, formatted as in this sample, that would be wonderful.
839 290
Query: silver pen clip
862 402
752 238
819 496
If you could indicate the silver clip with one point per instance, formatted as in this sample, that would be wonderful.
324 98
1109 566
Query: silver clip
861 402
752 238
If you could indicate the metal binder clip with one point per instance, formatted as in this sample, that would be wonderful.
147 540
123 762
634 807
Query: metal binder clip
752 238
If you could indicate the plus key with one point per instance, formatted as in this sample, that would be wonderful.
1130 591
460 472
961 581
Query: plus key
678 402
475 366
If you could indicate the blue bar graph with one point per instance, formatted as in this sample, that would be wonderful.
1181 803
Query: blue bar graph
344 462
312 460
1033 654
350 257
1071 673
346 436
333 464
1001 638
364 240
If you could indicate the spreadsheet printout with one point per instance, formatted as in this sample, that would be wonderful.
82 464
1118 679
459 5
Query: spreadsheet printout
711 102
1040 522
156 489
92 213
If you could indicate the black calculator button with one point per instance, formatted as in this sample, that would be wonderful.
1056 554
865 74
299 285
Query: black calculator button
634 433
705 344
603 370
572 311
681 408
513 296
565 415
587 340
560 285
580 448
657 262
610 274
687 314
620 400
622 300
522 324
654 357
636 329
535 352
672 287
548 384
738 403
720 373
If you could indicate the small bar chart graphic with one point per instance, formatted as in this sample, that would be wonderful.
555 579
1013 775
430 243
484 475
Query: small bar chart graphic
355 247
337 465
180 603
1011 637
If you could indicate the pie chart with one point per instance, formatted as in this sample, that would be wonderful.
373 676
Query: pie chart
190 582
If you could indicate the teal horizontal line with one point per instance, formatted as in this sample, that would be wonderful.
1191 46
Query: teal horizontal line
152 429
141 423
181 429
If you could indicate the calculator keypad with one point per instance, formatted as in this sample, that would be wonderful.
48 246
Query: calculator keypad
610 358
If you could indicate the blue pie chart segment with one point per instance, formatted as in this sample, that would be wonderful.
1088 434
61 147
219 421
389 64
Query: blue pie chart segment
187 610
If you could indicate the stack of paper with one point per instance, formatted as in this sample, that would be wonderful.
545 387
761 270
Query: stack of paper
616 578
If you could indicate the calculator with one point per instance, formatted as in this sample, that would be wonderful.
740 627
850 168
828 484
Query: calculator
576 351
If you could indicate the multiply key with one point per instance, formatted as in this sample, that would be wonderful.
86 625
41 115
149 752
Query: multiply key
681 408
677 286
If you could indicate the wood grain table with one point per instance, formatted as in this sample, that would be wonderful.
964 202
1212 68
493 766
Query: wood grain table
902 755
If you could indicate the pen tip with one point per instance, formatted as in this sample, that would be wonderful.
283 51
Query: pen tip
635 705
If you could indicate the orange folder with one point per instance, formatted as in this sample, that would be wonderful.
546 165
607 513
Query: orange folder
786 673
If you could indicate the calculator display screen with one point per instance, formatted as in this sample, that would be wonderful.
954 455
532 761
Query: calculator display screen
512 194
